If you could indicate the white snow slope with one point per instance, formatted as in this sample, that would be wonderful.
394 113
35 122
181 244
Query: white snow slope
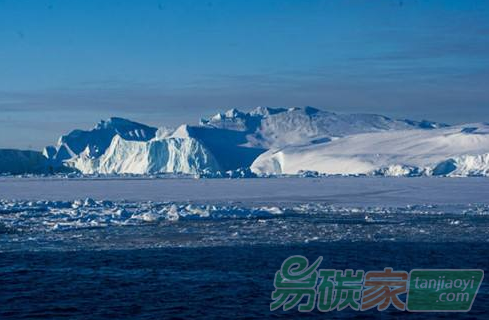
452 151
269 141
237 138
278 127
227 141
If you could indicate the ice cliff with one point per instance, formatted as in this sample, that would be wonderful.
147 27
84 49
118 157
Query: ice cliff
267 141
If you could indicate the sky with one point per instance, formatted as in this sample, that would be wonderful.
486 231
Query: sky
67 64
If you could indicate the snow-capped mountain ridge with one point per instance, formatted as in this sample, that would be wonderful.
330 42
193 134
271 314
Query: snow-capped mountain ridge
276 141
94 142
269 127
234 139
457 151
168 155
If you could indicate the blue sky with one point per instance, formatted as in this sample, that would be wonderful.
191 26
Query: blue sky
66 64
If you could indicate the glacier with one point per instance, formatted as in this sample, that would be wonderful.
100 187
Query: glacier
265 142
167 155
452 151
228 141
278 127
96 141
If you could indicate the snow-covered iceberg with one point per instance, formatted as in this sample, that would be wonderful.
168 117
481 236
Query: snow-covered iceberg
94 142
278 127
453 151
268 141
167 155
226 142
237 138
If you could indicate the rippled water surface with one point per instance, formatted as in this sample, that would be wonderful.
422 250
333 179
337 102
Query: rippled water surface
157 248
207 282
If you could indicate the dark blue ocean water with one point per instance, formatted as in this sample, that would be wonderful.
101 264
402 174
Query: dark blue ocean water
212 282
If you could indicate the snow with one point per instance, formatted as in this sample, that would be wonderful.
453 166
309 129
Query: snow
44 215
237 138
467 165
452 151
163 133
94 142
175 155
121 213
133 213
341 191
268 141
278 127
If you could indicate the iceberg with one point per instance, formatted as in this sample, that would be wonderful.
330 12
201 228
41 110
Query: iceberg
94 142
168 155
267 141
449 151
